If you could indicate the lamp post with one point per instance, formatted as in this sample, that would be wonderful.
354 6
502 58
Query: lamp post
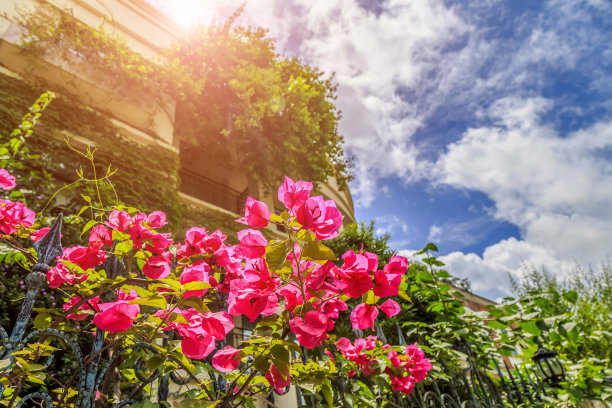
548 367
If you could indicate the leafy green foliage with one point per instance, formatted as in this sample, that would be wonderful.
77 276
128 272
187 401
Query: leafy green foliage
571 317
275 112
237 97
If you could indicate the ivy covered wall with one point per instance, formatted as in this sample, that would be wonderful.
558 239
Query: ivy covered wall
146 177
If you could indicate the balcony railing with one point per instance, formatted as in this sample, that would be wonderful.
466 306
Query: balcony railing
213 192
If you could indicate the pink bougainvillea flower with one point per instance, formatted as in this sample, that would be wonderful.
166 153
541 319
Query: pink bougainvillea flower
396 265
386 284
390 307
256 214
117 316
343 344
403 383
156 267
393 358
252 244
197 272
227 359
327 226
61 274
353 283
138 234
119 220
217 324
13 215
7 180
100 235
333 307
158 243
292 296
310 211
277 379
418 365
294 194
322 277
311 330
85 257
320 216
196 345
156 219
363 316
250 301
91 304
38 234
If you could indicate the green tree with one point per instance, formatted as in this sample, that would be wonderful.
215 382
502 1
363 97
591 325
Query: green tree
275 113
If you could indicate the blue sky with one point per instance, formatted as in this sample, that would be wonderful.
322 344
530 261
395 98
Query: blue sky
484 126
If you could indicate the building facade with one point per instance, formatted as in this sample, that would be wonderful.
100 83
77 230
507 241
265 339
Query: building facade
217 184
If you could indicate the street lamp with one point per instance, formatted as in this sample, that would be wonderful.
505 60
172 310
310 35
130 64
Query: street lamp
548 367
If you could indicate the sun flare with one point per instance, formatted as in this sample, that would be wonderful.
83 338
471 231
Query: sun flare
188 12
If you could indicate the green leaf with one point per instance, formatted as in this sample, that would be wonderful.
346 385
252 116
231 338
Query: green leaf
306 235
275 218
35 378
172 283
262 364
424 276
276 254
280 357
119 236
196 286
177 318
197 403
155 301
530 327
327 393
42 321
428 247
154 362
124 248
496 324
88 226
404 296
571 296
317 252
5 363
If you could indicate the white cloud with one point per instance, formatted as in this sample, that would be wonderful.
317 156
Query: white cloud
555 189
488 274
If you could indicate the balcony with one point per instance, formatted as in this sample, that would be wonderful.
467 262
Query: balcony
211 191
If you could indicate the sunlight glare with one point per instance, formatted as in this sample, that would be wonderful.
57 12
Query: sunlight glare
188 12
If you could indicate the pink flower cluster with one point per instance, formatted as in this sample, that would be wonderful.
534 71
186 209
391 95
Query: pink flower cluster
313 293
408 365
313 213
13 214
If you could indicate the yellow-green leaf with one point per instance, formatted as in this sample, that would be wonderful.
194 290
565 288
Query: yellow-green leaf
276 253
155 301
317 252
